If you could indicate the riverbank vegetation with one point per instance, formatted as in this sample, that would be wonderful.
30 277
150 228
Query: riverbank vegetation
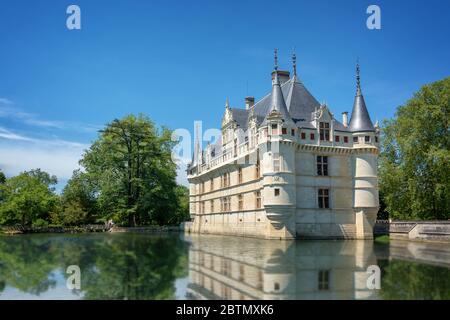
415 159
128 175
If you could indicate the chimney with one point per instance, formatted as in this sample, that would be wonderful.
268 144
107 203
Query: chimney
249 102
283 76
345 118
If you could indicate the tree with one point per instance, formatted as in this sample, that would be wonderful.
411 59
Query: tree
27 198
415 158
2 177
131 167
79 201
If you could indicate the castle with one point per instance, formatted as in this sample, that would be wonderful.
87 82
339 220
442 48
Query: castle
286 168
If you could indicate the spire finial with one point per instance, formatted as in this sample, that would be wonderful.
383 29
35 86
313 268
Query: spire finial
358 77
227 103
294 62
275 56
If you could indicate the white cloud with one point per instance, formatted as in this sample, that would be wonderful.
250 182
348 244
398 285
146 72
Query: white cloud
10 111
19 153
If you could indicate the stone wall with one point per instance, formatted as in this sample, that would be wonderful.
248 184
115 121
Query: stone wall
415 230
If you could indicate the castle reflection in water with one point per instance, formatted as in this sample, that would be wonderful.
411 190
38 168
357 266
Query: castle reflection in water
246 268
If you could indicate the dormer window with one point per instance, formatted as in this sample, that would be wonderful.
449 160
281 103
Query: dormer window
366 139
283 131
355 139
274 129
293 132
324 130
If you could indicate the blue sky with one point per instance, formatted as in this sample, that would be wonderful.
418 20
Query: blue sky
177 62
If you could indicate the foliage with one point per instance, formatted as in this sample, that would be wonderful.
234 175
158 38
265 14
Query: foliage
27 198
415 159
130 165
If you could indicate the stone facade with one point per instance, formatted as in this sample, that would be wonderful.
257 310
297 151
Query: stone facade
285 168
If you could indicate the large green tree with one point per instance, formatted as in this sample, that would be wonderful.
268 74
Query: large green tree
28 198
415 158
131 167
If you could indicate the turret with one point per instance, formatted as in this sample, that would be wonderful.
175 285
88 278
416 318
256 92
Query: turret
365 163
279 196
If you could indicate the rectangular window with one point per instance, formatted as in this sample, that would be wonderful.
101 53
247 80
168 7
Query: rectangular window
211 205
303 136
311 136
376 139
211 184
277 192
283 130
202 207
324 130
293 132
241 202
355 139
257 169
258 199
322 165
366 139
274 129
324 280
336 138
323 197
240 175
276 162
346 139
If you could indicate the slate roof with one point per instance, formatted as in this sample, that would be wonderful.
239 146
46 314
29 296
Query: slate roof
360 120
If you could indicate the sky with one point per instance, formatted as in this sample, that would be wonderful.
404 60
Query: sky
178 61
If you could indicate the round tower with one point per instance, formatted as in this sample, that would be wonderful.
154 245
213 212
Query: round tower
365 164
278 159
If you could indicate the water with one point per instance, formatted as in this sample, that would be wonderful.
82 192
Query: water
144 266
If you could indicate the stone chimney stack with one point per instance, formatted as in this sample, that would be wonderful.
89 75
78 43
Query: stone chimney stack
249 102
345 118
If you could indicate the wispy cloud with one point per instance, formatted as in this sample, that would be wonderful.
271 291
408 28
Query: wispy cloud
10 111
19 152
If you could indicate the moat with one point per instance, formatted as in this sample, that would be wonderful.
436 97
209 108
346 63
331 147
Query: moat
174 266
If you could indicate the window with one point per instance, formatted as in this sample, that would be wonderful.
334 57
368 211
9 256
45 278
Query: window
366 139
324 130
202 207
257 169
276 162
241 202
322 165
337 138
293 132
202 187
274 129
355 139
346 139
376 139
303 135
225 180
276 286
324 202
211 184
225 203
258 199
211 205
235 147
324 280
283 130
240 175
277 192
311 136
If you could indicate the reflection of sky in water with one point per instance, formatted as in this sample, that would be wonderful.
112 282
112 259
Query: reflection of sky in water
143 266
57 292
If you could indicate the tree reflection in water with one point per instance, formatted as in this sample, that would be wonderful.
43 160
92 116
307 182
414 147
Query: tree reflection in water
144 266
113 266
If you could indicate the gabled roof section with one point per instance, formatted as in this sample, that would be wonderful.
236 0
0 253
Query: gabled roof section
300 101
